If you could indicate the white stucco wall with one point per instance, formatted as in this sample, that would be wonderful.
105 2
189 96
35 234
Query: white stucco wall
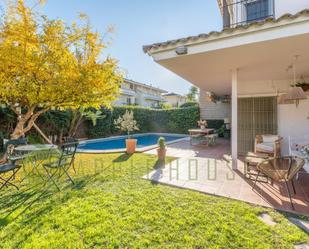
209 110
175 100
293 122
290 6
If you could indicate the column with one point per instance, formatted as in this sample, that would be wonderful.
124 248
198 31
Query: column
234 127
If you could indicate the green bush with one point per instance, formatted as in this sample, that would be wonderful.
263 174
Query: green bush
177 120
215 123
55 122
189 104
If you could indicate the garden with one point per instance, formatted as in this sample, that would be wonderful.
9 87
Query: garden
111 206
54 88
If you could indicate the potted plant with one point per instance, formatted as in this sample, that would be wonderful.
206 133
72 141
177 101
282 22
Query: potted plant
127 124
162 149
221 131
303 84
202 124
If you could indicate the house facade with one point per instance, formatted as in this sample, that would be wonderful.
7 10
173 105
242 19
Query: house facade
174 99
135 93
260 52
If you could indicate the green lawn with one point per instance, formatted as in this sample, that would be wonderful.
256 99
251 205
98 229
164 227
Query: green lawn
110 206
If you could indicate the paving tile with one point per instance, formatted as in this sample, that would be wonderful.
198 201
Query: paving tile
267 219
301 246
214 176
303 224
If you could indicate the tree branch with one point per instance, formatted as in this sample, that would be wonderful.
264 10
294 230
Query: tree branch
34 118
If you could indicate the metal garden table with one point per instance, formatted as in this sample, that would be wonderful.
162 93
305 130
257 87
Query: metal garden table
36 154
199 133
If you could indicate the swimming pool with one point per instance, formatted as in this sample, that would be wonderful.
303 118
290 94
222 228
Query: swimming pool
145 142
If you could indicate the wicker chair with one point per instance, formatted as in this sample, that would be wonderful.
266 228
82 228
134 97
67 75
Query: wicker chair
281 170
268 144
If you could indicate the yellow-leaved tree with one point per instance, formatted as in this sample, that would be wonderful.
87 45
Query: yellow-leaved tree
48 64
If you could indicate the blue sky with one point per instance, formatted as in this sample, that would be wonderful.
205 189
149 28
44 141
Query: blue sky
141 22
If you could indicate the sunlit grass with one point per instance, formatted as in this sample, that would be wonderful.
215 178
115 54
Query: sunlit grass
110 206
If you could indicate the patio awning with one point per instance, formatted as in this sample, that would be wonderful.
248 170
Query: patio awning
259 52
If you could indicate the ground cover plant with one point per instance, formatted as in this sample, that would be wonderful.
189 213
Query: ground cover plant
111 206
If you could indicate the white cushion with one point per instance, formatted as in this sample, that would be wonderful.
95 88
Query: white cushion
268 147
270 138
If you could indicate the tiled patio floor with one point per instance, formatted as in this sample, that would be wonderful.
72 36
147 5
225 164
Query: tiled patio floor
201 168
184 149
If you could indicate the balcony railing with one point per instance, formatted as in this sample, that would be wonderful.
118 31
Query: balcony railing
243 12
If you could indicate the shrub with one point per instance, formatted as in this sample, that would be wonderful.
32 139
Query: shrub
189 104
177 120
215 123
126 123
161 143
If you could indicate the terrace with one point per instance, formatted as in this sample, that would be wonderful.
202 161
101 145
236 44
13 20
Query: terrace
203 169
136 181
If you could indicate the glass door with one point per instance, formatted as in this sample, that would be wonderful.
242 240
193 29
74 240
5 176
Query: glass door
256 116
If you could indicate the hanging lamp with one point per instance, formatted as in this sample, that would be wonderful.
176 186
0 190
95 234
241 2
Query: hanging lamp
295 93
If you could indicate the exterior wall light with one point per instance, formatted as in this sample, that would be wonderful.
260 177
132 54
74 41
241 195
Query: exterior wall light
181 50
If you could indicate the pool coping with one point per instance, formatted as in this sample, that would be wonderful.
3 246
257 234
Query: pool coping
143 149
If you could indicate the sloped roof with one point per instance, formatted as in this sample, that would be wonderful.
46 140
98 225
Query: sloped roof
212 34
145 85
172 94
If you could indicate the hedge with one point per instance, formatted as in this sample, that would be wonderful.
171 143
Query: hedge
189 104
177 120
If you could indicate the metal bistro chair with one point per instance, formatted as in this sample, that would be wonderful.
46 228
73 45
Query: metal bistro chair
5 169
61 163
281 170
9 169
13 156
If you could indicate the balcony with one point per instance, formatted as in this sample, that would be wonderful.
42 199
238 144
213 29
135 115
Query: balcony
127 91
242 12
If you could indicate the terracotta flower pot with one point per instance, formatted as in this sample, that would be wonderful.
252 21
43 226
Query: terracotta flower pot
131 145
161 154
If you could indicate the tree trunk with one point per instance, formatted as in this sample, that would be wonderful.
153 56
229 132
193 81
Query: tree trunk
75 123
24 124
19 130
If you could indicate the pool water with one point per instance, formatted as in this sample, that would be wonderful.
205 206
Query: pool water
116 143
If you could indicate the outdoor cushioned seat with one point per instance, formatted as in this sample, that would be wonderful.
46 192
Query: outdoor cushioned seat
267 147
269 144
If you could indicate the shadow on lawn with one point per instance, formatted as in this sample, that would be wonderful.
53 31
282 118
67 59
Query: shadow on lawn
122 158
22 200
158 166
14 203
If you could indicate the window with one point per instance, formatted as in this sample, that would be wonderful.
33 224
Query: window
129 101
257 10
131 86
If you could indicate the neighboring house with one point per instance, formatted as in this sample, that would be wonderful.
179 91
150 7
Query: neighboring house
135 93
174 99
253 59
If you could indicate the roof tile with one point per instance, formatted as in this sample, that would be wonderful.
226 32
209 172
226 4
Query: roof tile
227 30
